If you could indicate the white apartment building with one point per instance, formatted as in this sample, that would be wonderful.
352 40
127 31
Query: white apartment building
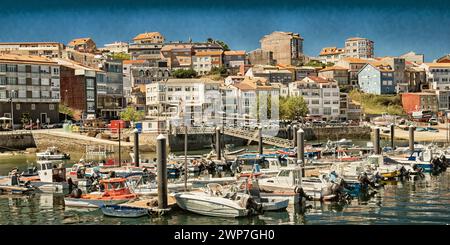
195 100
320 94
46 49
116 47
358 47
331 54
438 75
203 62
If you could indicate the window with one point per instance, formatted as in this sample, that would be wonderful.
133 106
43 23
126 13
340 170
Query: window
2 94
90 83
91 106
45 81
327 111
34 69
2 80
55 83
51 107
2 67
315 102
17 107
170 89
177 89
35 94
187 89
45 94
22 80
12 68
55 94
55 71
35 81
33 107
22 94
90 95
12 81
326 102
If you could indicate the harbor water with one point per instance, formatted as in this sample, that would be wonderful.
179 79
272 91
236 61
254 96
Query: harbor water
424 201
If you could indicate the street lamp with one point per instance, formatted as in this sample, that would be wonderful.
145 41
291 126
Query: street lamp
65 103
12 110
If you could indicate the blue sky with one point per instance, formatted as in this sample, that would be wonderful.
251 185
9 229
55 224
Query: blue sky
396 27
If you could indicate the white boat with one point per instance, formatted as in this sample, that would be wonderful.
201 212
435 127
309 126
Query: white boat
52 153
217 206
52 178
150 188
208 180
289 182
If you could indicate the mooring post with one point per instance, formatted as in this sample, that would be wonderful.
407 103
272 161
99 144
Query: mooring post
185 157
294 128
376 141
162 171
288 132
301 149
218 152
411 137
260 140
136 147
392 135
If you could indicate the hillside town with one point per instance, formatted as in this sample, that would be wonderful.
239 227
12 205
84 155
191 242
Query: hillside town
168 80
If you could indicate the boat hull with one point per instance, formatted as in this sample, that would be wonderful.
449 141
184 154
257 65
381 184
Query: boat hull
91 203
123 211
217 207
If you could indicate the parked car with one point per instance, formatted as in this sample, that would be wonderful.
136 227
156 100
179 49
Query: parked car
433 121
31 126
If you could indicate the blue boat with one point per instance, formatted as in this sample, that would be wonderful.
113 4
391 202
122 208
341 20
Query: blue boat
124 211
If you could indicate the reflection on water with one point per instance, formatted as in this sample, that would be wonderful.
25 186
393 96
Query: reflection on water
425 201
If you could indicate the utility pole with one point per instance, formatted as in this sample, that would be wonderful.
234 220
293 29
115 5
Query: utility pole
12 110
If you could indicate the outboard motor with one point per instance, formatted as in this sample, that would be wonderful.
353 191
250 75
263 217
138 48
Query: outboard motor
76 193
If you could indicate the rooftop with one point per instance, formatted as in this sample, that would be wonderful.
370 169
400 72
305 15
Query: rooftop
331 50
438 65
355 60
318 79
126 62
147 35
79 41
208 53
234 52
27 59
333 68
357 38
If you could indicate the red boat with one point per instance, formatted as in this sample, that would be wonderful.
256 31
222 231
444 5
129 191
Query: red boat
115 191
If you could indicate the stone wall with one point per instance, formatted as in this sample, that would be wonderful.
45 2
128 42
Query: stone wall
16 141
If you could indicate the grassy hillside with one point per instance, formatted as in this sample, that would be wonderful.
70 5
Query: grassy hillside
378 104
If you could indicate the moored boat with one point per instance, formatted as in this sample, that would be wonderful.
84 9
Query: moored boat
124 211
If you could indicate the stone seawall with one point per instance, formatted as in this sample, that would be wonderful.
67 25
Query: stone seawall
16 141
200 141
72 144
332 133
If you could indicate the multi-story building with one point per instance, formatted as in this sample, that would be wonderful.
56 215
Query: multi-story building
233 60
320 94
47 49
253 98
149 37
30 85
178 56
416 79
349 110
146 46
78 87
261 57
438 75
419 101
194 100
358 47
137 74
304 71
377 79
206 47
116 47
204 61
84 45
287 47
273 74
110 94
413 57
340 74
443 59
331 54
354 65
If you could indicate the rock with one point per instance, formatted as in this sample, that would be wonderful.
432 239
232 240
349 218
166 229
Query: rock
31 150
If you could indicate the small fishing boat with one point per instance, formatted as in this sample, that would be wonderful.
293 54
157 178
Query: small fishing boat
115 192
215 203
52 153
124 211
52 178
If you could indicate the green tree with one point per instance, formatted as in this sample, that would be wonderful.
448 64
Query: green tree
221 43
182 73
130 114
292 108
315 63
120 56
222 71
